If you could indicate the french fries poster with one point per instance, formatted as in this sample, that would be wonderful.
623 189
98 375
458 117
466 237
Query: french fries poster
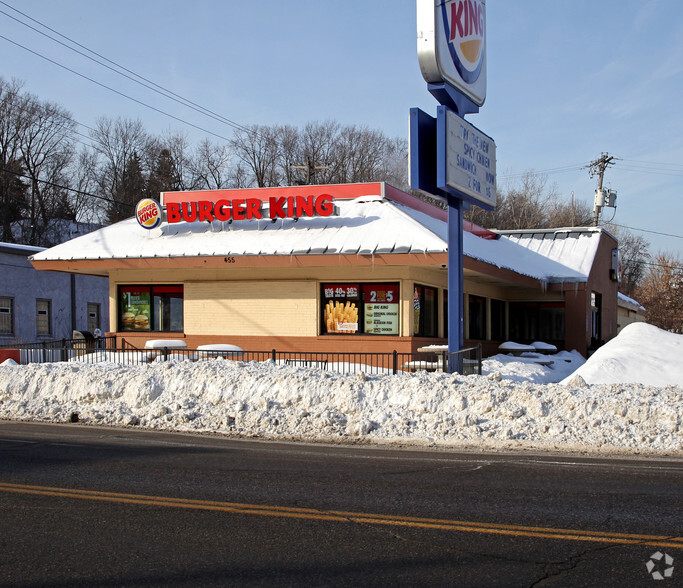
341 317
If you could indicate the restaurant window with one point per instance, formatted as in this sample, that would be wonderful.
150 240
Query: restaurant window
151 308
6 316
424 311
551 321
497 320
537 321
93 317
477 317
43 318
357 308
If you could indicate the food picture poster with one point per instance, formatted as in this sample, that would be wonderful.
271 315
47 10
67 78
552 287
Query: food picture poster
341 308
135 310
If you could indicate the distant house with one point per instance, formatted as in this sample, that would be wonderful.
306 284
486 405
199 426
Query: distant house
44 306
56 231
629 311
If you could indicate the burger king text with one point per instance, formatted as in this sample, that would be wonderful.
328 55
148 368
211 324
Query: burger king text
250 208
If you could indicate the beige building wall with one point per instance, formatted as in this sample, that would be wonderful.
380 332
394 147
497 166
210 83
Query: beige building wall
274 308
626 316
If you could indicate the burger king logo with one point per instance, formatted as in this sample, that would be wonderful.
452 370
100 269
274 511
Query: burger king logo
464 25
148 213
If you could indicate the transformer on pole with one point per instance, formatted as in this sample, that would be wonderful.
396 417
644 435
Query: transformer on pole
603 197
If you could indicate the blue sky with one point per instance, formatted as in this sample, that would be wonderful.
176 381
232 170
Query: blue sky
567 81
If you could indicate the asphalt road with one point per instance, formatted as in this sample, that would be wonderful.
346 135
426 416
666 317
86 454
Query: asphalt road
98 506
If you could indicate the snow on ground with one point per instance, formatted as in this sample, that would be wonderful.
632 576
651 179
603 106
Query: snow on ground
627 399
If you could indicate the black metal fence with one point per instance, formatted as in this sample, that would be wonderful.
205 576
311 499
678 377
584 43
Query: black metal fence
465 361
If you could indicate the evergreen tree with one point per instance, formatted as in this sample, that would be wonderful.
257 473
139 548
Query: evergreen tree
164 176
14 197
130 191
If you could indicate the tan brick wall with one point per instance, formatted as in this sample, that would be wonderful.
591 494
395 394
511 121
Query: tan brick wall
283 308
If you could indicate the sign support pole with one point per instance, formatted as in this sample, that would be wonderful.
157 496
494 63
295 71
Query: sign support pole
455 284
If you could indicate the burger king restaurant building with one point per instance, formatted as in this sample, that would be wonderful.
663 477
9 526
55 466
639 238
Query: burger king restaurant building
338 268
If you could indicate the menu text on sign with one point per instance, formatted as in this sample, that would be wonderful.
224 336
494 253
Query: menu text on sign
470 161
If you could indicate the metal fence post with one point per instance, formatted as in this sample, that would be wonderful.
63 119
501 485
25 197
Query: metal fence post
395 366
273 355
165 353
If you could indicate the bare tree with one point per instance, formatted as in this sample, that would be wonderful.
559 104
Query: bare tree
257 148
634 256
573 213
290 154
36 155
661 293
118 144
531 204
358 154
88 207
394 167
47 148
317 142
209 167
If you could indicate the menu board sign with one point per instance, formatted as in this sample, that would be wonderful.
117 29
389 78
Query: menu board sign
381 309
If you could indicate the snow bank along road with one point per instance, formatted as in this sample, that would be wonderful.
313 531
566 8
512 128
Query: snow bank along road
289 402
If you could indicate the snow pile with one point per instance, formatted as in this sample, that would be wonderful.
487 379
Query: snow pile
504 409
526 368
641 354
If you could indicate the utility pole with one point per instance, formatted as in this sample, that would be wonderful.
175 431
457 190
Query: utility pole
598 168
310 169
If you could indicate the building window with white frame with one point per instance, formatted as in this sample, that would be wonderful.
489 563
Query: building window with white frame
43 318
6 316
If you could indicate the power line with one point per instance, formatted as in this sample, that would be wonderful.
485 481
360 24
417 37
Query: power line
59 186
549 171
648 231
679 166
115 91
664 265
150 85
642 170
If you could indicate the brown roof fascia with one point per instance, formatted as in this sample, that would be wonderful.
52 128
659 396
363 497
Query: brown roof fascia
102 266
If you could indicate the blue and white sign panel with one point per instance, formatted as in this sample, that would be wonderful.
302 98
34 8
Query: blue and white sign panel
469 168
451 44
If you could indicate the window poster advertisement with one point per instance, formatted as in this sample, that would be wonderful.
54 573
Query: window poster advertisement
341 308
134 304
380 306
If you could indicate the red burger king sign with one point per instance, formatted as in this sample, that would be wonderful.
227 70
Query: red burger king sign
148 213
451 43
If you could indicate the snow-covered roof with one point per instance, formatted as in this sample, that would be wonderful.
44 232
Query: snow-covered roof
369 225
19 249
574 247
626 302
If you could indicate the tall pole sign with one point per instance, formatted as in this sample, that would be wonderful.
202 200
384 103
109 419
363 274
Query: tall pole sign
450 158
